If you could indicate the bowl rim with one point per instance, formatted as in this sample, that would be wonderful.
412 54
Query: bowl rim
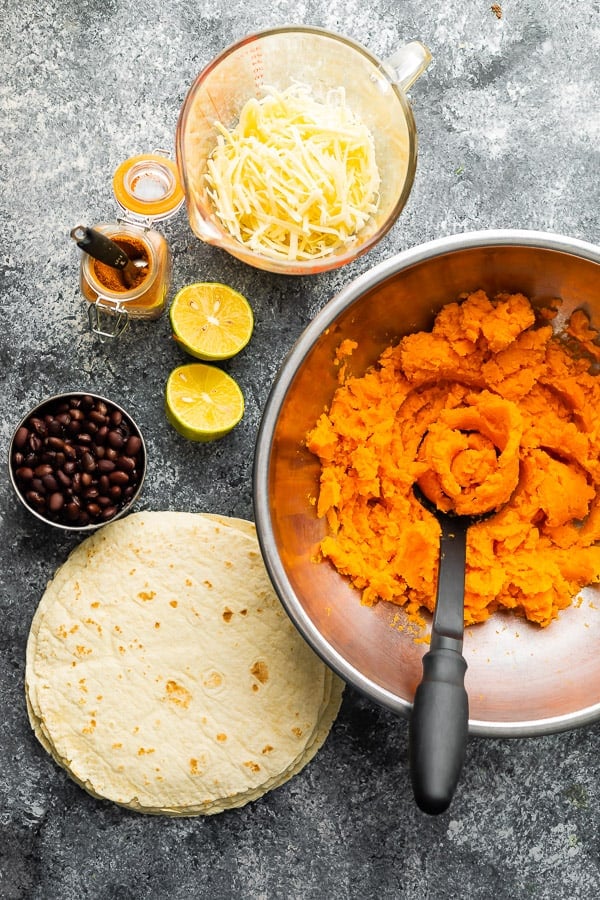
275 400
76 529
437 247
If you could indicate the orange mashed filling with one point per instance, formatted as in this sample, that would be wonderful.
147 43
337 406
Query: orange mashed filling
489 410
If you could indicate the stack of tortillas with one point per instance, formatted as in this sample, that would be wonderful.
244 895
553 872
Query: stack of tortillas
164 674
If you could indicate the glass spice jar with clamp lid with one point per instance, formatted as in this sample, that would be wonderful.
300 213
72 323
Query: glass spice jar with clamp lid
125 270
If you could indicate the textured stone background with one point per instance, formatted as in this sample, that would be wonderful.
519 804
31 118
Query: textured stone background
509 124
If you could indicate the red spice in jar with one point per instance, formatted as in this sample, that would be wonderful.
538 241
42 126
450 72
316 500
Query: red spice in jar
113 279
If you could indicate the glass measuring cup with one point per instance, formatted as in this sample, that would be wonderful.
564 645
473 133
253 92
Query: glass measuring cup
375 92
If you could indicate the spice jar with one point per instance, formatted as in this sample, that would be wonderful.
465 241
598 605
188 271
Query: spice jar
148 190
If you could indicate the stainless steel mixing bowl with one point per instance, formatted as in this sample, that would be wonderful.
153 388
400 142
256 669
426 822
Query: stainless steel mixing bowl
521 680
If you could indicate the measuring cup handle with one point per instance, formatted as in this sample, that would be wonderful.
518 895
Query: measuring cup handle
407 64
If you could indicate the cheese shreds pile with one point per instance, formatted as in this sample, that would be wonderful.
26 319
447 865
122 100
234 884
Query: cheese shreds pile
296 178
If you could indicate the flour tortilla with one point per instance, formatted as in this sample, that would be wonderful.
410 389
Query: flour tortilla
163 674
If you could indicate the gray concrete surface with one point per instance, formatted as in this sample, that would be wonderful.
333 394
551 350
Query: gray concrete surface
509 126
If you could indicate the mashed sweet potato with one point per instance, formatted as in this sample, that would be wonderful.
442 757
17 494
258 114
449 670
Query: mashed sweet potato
490 409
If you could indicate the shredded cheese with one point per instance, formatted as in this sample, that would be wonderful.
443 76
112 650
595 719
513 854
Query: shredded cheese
296 178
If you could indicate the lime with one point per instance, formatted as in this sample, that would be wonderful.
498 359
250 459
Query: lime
202 402
210 320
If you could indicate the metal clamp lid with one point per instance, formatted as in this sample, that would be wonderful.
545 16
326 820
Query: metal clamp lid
107 319
148 186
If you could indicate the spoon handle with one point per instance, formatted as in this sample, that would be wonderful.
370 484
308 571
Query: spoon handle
440 716
101 247
439 729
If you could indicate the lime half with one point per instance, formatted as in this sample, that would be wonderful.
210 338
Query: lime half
211 321
202 402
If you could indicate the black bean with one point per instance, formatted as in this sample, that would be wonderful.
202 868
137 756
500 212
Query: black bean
39 426
73 510
88 462
56 502
50 483
119 477
97 417
54 427
35 499
115 439
63 478
133 446
106 465
24 473
21 438
126 463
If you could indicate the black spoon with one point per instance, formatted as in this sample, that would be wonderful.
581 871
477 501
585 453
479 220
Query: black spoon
102 248
440 717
